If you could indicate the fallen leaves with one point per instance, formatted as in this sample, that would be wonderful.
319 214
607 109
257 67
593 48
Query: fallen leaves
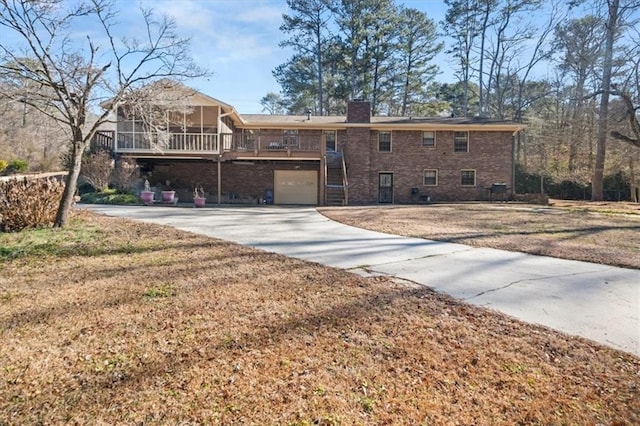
153 325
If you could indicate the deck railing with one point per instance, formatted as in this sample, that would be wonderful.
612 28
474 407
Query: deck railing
270 144
207 143
160 142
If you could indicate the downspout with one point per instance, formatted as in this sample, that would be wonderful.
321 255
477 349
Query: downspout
515 135
323 169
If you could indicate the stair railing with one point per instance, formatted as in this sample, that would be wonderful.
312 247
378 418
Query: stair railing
345 181
326 182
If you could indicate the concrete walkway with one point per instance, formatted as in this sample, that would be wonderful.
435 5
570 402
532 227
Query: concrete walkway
598 302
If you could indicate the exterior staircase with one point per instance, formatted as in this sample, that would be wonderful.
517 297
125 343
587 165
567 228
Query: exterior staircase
335 179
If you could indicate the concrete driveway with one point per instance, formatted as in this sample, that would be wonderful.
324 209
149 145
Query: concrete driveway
599 302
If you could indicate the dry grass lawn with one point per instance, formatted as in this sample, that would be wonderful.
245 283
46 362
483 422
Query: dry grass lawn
115 322
606 233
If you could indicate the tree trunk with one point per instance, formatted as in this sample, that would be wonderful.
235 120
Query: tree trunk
71 183
633 181
577 127
598 173
320 76
483 108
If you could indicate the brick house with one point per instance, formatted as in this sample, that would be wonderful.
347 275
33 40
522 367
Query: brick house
318 160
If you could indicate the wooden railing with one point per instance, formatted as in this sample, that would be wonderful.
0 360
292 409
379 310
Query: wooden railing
209 143
103 139
345 180
160 142
271 144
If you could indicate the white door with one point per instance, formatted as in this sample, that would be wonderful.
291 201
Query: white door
295 187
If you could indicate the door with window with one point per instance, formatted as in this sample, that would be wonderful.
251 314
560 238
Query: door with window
385 188
330 138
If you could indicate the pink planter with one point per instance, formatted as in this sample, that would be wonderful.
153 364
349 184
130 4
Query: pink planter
199 201
146 197
167 196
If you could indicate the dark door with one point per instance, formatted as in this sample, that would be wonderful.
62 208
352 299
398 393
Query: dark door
385 188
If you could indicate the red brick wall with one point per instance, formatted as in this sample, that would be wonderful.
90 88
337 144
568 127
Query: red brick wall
357 155
490 154
358 112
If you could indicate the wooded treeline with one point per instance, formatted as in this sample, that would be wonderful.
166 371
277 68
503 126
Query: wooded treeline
570 70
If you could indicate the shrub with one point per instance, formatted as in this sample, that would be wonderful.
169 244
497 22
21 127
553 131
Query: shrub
3 165
96 169
108 197
16 166
29 203
124 175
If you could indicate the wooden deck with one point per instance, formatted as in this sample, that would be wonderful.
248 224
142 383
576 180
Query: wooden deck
229 145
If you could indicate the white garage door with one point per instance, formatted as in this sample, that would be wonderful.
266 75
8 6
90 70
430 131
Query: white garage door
295 187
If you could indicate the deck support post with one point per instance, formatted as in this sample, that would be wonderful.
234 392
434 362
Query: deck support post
219 181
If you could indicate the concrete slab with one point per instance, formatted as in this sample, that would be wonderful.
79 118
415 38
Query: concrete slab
598 302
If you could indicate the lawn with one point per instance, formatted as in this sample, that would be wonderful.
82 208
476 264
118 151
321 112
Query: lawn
110 321
606 233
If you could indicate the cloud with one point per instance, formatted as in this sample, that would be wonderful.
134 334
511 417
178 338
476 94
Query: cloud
263 14
188 14
226 31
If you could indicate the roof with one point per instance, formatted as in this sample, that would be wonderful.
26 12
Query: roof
380 122
271 121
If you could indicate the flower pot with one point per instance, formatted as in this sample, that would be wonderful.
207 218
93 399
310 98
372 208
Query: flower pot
146 197
167 196
199 201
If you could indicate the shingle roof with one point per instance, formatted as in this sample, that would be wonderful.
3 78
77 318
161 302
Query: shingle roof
302 121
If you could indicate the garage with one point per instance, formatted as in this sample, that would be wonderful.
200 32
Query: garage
295 187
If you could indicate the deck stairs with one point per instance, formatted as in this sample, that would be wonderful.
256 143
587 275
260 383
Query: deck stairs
335 179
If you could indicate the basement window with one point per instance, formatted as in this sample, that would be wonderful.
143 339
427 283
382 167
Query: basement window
468 178
430 177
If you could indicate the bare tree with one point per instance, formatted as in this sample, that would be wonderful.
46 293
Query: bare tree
629 93
618 12
579 44
68 76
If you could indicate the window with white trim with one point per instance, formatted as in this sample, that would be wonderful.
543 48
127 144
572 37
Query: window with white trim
384 141
430 177
290 138
429 139
468 177
460 141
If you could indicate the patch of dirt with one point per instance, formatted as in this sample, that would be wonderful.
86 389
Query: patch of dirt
605 233
150 325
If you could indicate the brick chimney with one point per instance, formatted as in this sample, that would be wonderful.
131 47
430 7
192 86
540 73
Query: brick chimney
358 111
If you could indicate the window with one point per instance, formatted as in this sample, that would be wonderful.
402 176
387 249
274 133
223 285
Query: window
468 178
249 139
428 138
384 141
460 142
290 138
430 177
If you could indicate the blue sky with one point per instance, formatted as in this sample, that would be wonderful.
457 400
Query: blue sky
238 41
